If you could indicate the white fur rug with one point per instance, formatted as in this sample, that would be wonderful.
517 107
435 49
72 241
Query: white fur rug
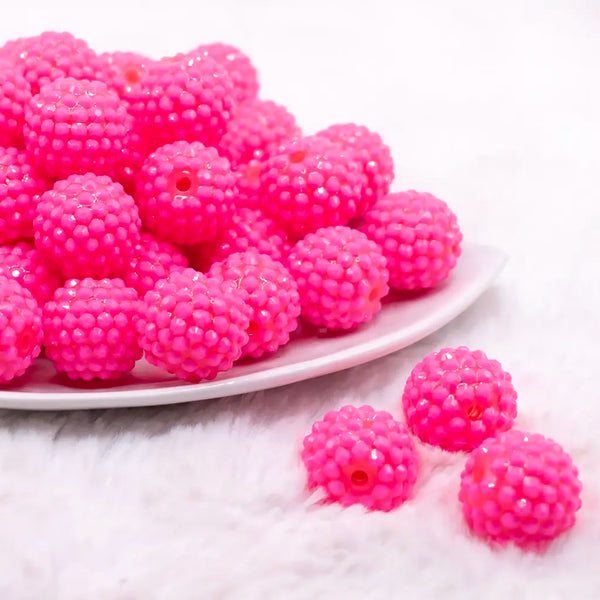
494 107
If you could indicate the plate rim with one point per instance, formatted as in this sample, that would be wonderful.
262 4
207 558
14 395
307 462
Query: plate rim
269 378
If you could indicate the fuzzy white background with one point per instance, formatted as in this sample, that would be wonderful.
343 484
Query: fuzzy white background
492 106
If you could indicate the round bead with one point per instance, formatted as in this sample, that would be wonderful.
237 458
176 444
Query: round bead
20 329
76 126
238 66
90 328
87 226
256 131
520 487
361 456
185 192
341 276
456 397
193 326
374 156
419 236
272 294
311 182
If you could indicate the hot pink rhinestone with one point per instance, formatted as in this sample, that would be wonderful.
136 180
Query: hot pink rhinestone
20 329
374 156
193 326
24 263
270 291
520 487
49 56
15 94
256 131
185 192
237 65
311 182
20 190
419 236
248 229
361 456
90 328
456 398
179 100
341 276
75 126
87 226
152 260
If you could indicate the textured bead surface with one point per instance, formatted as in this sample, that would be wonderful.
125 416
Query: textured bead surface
49 56
90 328
419 236
520 487
20 190
374 156
361 456
183 100
193 326
237 65
456 398
122 72
185 192
311 182
248 184
87 226
248 228
272 294
24 263
256 131
341 276
75 126
20 329
15 93
152 260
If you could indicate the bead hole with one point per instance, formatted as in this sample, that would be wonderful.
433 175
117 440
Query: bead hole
359 478
183 184
475 412
297 157
132 75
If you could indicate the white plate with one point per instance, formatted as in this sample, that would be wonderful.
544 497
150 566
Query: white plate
402 322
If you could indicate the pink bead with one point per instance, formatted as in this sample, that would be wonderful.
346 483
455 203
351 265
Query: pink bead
15 93
152 260
311 182
237 65
90 328
76 126
341 276
20 189
374 156
87 226
455 398
272 294
256 131
248 229
419 235
185 192
49 56
24 263
20 329
183 100
354 464
122 72
248 184
193 326
529 510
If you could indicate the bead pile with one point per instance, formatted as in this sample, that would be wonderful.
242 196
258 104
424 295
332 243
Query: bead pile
172 181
